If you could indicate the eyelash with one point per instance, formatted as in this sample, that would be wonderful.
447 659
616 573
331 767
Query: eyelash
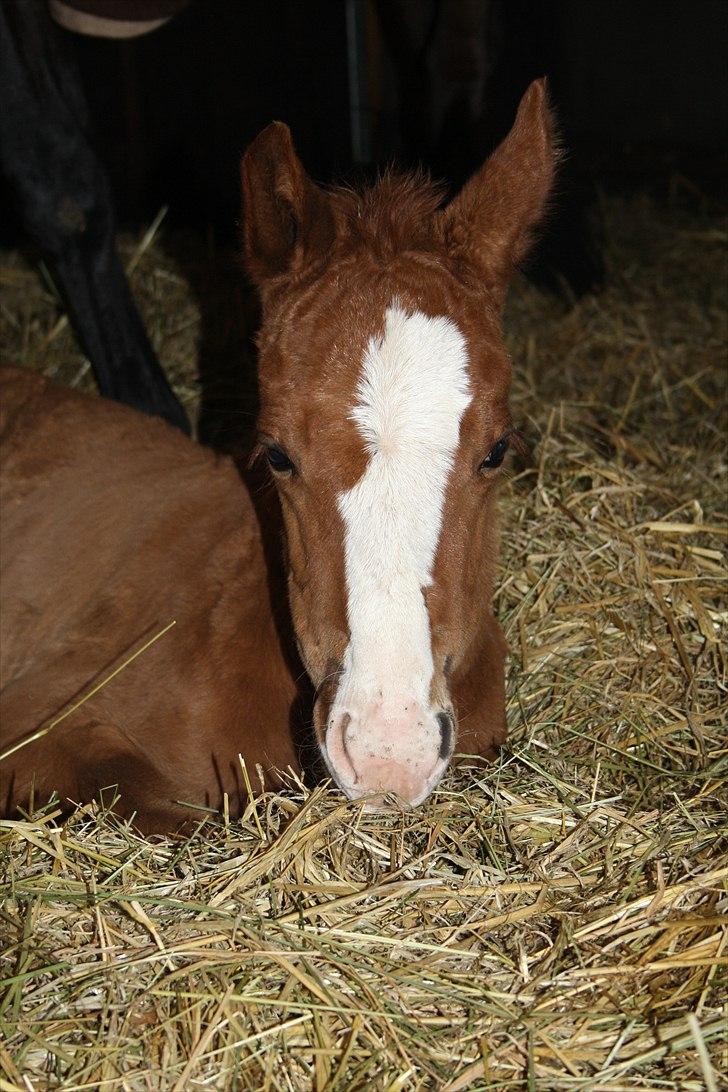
278 461
496 455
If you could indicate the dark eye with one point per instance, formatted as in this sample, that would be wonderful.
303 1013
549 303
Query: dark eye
278 460
495 456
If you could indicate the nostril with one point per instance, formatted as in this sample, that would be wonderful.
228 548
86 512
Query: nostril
339 738
445 722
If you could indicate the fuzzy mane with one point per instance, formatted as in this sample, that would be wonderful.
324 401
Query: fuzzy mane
392 215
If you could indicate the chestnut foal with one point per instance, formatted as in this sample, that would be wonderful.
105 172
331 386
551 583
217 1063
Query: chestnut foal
384 419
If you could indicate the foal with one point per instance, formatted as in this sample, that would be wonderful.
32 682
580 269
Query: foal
384 419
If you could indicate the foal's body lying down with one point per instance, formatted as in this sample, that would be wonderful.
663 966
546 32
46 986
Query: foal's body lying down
384 419
126 526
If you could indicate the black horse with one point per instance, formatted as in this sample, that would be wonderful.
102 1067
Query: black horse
64 202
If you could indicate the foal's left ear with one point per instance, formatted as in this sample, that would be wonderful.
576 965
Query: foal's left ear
489 223
287 219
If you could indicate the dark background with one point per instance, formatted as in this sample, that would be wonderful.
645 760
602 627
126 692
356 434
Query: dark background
640 90
639 86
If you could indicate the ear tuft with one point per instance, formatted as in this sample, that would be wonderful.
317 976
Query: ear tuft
489 224
287 219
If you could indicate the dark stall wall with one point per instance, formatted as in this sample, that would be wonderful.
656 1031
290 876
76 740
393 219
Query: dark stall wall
174 110
645 71
650 71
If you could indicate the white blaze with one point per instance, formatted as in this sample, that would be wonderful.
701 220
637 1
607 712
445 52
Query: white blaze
411 397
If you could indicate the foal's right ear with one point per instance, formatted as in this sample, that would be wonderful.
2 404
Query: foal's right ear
287 220
490 222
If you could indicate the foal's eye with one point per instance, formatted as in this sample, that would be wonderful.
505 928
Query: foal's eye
278 460
495 456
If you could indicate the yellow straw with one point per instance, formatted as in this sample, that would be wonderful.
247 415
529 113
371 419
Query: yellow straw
99 686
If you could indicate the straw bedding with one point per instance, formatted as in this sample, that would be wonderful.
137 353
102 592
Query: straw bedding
554 921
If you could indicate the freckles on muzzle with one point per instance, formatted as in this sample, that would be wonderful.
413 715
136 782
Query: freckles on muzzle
401 749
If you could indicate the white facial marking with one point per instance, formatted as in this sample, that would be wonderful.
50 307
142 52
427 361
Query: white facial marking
412 394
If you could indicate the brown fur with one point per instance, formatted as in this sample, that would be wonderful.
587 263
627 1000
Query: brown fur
320 309
114 524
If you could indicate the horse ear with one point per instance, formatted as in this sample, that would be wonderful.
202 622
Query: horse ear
287 220
489 224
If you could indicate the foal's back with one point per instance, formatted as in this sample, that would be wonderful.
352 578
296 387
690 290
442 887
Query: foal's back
115 525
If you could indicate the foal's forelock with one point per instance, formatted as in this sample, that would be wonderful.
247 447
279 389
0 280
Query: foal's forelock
412 393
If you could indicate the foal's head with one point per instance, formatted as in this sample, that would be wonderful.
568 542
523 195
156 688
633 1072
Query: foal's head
384 416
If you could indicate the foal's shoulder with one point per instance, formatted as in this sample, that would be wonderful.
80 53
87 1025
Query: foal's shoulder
62 442
64 424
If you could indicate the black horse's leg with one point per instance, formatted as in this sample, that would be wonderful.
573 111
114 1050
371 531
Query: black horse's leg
65 204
